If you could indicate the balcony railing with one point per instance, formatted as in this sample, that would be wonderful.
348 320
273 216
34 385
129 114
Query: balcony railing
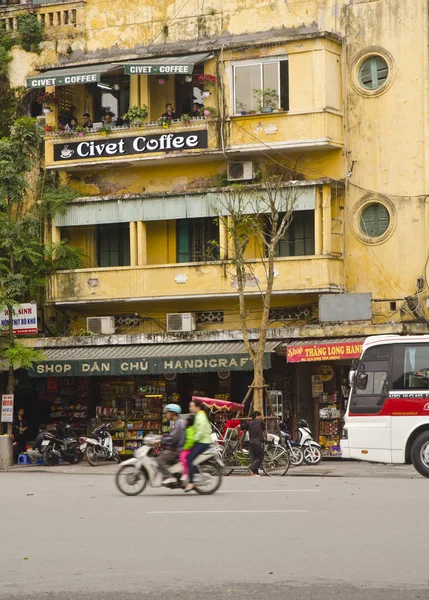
299 275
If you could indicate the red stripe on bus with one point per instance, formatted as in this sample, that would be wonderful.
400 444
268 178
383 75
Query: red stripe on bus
400 407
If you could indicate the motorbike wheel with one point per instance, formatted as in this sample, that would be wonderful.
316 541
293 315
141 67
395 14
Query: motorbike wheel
116 456
312 455
49 457
91 456
296 456
276 461
206 470
130 481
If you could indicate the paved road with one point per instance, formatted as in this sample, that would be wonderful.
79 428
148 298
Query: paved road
75 537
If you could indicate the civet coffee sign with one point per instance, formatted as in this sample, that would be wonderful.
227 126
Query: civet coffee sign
124 146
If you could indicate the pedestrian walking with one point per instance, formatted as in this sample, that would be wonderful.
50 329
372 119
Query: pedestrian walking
257 435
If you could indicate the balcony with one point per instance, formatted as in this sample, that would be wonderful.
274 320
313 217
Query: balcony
300 275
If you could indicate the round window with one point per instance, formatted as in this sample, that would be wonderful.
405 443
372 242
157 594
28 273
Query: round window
373 73
375 220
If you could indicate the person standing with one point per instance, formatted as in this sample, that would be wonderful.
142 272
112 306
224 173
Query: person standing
20 427
202 439
36 452
257 435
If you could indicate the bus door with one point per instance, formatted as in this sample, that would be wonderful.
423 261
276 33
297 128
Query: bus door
368 428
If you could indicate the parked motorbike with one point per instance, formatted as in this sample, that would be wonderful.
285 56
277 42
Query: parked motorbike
99 446
61 445
311 450
134 474
294 449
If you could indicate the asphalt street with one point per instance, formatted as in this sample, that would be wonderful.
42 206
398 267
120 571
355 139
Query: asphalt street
75 537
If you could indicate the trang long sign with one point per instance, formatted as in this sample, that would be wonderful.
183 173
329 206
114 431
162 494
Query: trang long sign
142 144
116 366
314 352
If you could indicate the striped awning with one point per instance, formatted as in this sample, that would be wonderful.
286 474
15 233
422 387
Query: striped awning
192 357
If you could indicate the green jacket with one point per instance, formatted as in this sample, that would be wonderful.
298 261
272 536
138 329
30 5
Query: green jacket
203 429
189 438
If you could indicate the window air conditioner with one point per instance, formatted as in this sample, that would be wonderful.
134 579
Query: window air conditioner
181 322
240 171
101 325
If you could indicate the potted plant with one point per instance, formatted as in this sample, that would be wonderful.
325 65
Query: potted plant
49 128
205 79
136 114
47 99
103 130
80 131
164 122
209 111
267 99
242 109
186 119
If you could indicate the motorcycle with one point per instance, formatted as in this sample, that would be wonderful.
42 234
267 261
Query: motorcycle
99 445
311 450
294 449
61 445
134 474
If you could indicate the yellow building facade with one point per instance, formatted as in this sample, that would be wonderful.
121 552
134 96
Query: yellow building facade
350 119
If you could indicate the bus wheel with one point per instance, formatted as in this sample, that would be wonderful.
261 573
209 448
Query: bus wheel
420 454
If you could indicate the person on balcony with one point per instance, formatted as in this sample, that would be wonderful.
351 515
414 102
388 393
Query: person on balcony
108 119
196 110
169 113
87 123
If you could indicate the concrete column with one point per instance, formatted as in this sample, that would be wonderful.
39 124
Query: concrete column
223 238
133 244
231 251
318 222
56 235
145 92
134 90
327 219
141 243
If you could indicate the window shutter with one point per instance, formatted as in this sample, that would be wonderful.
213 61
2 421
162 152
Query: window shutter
182 232
284 84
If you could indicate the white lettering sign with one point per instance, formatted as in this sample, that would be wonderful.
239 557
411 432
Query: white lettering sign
24 319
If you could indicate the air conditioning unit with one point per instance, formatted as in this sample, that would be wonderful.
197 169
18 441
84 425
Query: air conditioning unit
240 171
181 322
101 325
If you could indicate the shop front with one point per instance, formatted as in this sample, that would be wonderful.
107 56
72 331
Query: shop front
129 386
320 369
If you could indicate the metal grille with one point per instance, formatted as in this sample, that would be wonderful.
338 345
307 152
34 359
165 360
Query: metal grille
209 316
126 321
290 313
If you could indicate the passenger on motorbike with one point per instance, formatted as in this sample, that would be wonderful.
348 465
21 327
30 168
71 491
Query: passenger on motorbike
172 442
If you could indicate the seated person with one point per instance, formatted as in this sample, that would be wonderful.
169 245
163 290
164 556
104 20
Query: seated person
72 125
122 121
87 123
36 452
108 119
62 124
172 442
169 113
196 110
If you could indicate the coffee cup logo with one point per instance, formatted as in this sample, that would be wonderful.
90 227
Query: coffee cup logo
66 152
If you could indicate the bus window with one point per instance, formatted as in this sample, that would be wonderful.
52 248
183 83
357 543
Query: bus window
371 386
411 367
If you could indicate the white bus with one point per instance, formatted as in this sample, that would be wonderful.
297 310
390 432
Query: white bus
387 417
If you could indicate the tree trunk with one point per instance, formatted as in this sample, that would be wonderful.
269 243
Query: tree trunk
258 384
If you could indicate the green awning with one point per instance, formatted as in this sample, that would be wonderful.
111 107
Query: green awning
72 76
191 357
167 65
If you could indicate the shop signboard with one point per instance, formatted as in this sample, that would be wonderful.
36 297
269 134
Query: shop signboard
137 144
7 408
146 366
24 319
329 351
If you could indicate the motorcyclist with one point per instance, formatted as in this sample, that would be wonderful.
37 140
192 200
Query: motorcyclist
172 442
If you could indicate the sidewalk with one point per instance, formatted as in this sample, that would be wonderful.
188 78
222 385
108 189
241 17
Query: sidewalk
327 468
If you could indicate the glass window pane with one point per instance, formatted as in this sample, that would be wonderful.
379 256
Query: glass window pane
246 79
271 76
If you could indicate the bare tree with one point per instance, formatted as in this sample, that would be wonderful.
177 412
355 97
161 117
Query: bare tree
265 213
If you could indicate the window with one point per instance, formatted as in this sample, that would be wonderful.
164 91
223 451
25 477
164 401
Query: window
411 367
113 97
373 73
265 75
299 237
113 245
374 220
194 237
371 386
